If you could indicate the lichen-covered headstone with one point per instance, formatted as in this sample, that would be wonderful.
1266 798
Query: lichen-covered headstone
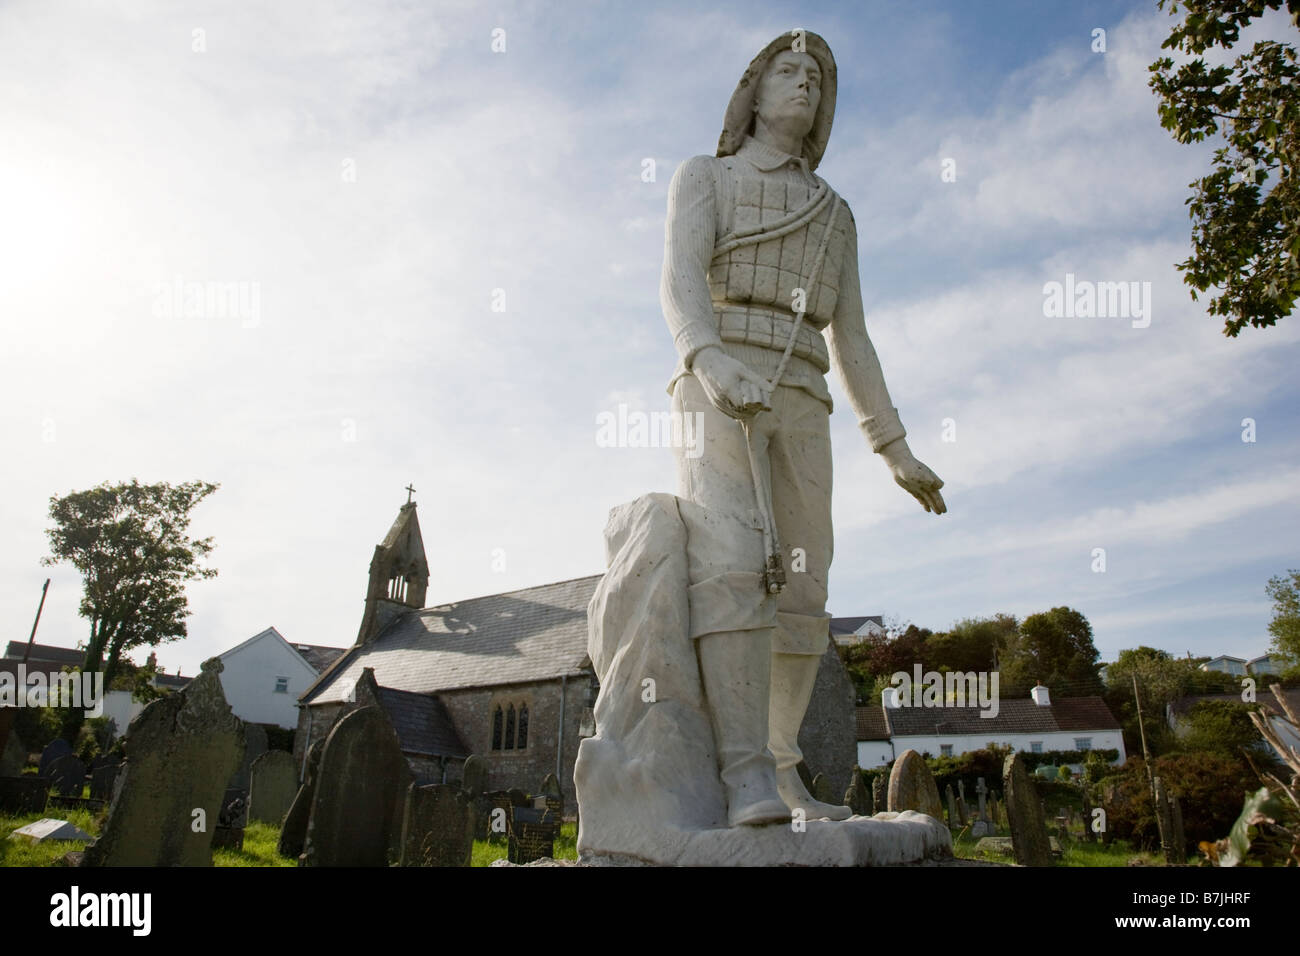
361 787
293 834
67 776
273 785
437 827
1025 814
181 750
858 797
952 807
880 791
912 786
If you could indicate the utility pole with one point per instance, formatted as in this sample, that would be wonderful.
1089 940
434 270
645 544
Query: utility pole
8 714
1151 779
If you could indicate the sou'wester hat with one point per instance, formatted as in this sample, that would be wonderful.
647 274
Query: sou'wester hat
739 121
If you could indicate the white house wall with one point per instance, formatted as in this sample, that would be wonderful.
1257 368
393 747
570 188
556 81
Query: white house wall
249 681
1101 740
874 753
121 709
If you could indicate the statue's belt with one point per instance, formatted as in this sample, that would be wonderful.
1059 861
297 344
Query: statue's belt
770 328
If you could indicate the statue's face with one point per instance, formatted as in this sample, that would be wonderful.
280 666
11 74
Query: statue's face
789 92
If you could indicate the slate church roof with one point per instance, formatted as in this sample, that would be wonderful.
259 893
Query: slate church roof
533 634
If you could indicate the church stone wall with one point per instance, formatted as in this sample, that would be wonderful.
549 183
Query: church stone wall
471 710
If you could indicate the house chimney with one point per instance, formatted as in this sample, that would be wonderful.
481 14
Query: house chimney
1041 697
889 698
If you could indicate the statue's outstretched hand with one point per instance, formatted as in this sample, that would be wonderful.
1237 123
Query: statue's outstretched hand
732 386
914 477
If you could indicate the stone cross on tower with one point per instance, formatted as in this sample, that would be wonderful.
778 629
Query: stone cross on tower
409 491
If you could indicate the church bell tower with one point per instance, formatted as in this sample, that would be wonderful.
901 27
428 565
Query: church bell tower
399 574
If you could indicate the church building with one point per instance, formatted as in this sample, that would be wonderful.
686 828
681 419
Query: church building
505 676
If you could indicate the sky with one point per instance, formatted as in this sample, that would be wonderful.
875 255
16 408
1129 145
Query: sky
447 262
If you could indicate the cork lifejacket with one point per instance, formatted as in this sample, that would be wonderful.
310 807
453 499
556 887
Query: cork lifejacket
753 286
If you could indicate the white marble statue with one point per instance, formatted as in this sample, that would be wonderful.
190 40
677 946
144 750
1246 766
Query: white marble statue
760 290
708 628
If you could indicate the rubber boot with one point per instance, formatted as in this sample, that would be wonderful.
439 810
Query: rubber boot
793 677
736 669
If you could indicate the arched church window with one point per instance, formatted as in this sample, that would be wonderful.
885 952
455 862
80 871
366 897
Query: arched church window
510 727
496 729
523 726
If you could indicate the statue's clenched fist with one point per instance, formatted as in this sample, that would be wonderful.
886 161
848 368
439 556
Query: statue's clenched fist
733 388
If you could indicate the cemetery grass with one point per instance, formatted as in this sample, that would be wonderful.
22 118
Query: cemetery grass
566 847
23 853
1075 852
260 842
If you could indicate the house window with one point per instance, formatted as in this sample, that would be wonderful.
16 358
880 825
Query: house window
282 685
1035 746
510 726
1082 743
945 750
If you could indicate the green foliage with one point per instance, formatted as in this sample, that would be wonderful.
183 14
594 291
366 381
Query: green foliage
1223 726
1096 766
1284 590
972 643
1053 648
969 767
1246 212
1209 786
129 543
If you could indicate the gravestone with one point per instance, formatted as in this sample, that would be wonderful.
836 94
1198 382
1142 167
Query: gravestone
1088 835
489 824
181 750
67 776
554 795
14 757
437 827
50 830
1025 814
232 820
293 834
981 793
912 786
474 776
952 807
273 785
879 791
103 774
532 835
53 751
1180 835
858 797
361 786
981 828
23 795
254 746
963 811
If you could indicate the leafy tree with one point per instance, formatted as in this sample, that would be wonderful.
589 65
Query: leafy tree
130 544
1285 626
880 656
1209 786
1246 212
1223 726
972 644
1161 679
1056 649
